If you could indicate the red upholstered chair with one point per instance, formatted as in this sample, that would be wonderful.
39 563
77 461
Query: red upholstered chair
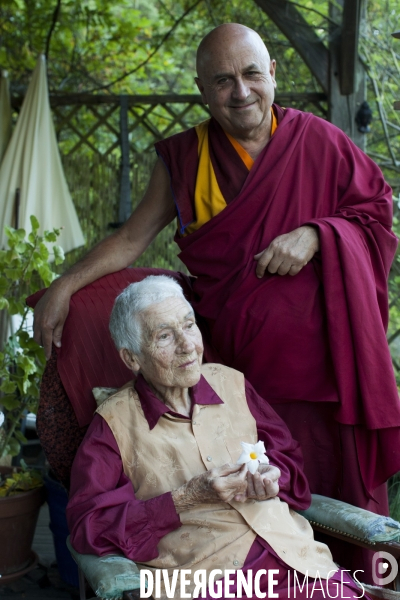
88 359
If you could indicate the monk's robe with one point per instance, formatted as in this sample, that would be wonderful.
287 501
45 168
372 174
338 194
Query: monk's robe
313 345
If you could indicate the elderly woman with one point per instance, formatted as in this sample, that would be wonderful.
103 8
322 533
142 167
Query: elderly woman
157 475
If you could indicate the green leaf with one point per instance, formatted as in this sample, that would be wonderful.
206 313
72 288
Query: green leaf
20 437
21 247
49 236
34 223
10 232
4 285
16 307
13 274
8 387
44 253
14 447
26 363
59 256
10 402
20 234
45 273
3 304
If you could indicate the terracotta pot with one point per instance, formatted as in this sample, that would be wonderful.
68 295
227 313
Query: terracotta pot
18 517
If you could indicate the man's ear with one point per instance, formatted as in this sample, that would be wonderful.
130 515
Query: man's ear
272 71
130 360
200 85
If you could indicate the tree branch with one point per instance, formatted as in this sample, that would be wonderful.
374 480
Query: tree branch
152 53
326 17
383 120
52 26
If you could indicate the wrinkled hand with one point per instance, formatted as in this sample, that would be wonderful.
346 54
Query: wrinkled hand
264 483
287 254
217 485
50 314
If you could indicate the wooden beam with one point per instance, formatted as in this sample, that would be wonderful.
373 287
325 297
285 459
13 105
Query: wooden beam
301 36
90 99
154 99
348 56
343 108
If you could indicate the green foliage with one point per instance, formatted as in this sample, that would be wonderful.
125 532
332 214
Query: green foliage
394 497
24 269
131 47
22 480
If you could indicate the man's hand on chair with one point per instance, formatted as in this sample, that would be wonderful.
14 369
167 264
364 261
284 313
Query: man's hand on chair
50 314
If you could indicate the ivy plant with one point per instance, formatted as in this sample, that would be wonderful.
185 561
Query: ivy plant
24 269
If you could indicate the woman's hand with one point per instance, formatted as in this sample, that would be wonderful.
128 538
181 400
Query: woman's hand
221 484
264 483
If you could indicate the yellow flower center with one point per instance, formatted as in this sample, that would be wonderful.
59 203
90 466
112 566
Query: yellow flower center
253 455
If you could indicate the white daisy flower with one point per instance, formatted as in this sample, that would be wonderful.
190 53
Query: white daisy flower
253 455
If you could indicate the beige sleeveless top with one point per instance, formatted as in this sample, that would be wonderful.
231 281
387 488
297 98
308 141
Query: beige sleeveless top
212 536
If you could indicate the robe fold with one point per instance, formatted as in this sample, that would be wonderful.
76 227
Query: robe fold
318 336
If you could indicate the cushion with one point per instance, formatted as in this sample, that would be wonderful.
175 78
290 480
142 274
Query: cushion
102 393
109 576
352 520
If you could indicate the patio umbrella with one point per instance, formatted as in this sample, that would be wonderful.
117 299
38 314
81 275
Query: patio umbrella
5 113
5 134
32 165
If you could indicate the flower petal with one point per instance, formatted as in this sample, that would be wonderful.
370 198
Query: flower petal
264 459
259 448
247 447
243 458
252 465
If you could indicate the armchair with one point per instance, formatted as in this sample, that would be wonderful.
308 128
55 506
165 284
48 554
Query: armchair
88 359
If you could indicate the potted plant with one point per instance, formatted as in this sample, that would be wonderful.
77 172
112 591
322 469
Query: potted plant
24 268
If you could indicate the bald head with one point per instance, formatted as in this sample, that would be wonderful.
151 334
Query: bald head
236 79
227 39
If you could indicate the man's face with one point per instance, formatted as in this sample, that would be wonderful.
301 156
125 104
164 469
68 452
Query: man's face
172 347
237 81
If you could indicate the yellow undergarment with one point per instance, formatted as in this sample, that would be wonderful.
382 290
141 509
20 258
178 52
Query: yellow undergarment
208 198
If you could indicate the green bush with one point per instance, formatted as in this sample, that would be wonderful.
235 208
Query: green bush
24 269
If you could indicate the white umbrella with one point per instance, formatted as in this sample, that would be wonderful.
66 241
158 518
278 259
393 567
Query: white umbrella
32 164
5 134
5 113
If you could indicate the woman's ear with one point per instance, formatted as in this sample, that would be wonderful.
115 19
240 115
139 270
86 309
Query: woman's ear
130 360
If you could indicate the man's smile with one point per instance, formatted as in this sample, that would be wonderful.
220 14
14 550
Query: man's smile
243 106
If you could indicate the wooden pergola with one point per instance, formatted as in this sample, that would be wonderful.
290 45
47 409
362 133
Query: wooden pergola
336 67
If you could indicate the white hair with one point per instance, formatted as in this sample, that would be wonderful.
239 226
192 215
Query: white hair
125 326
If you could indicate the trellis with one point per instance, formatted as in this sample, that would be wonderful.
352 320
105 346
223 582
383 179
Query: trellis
91 131
89 123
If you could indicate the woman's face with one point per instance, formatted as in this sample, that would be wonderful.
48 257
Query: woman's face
172 346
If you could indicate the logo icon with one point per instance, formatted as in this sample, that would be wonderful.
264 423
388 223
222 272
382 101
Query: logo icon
384 568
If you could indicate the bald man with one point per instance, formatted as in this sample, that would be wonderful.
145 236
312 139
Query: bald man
285 224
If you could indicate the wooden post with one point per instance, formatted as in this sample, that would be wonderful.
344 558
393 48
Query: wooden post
347 78
337 68
125 202
396 104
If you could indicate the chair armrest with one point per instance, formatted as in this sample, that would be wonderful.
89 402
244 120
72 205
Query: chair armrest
108 576
351 520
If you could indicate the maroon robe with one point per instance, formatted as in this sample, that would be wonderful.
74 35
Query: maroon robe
313 345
